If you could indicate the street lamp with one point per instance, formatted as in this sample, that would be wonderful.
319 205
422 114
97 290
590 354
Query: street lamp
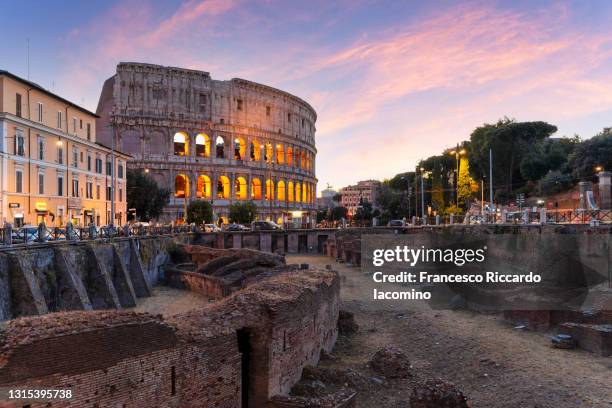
599 169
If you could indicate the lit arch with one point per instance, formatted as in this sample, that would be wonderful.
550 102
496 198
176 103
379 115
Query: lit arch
240 186
280 191
180 143
289 155
304 198
290 192
202 145
298 192
269 190
239 148
255 150
223 187
219 147
303 159
204 187
280 154
268 154
256 189
181 186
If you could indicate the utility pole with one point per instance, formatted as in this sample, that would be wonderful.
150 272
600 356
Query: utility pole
491 181
113 134
422 196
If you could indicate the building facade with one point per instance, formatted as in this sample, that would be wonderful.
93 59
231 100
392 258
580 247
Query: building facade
222 141
53 171
353 196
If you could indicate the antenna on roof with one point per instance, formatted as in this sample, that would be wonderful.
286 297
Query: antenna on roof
28 52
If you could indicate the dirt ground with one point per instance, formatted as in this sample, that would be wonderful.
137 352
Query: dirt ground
168 301
493 364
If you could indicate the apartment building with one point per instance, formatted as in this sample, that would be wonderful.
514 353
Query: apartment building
52 169
353 196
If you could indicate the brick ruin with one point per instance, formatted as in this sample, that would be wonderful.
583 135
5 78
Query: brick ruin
243 350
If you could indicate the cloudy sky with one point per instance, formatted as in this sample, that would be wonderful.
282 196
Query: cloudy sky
392 81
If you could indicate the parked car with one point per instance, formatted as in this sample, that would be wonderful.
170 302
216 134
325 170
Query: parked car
237 227
396 223
211 228
265 226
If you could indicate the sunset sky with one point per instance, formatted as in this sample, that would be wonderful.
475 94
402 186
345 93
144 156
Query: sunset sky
392 82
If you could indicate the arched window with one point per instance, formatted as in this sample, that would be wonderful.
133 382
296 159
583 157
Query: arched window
240 186
256 189
290 192
220 147
255 150
269 153
298 192
304 198
280 191
280 154
180 143
269 190
303 160
204 187
289 155
223 187
181 186
202 145
239 148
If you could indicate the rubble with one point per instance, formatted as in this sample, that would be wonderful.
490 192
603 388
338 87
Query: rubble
346 323
391 362
437 394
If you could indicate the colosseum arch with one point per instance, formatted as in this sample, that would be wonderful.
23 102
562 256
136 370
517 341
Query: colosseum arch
269 153
181 186
156 143
256 189
269 190
219 147
223 187
304 192
202 142
290 192
255 153
280 191
289 155
303 159
204 189
298 192
239 148
280 154
181 143
241 188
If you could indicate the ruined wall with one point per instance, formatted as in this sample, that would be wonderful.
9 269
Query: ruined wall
118 358
39 279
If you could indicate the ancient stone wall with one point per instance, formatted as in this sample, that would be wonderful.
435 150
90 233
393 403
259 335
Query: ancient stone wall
118 358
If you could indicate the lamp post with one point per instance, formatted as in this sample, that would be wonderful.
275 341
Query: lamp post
457 153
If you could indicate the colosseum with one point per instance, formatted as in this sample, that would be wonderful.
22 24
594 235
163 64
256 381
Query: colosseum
223 141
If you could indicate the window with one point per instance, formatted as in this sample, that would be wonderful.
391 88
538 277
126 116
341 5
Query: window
109 168
41 183
59 119
75 187
202 103
97 191
19 143
88 161
89 190
18 105
75 157
89 131
98 165
60 185
288 117
268 111
239 104
74 125
80 123
108 193
19 181
180 144
120 170
39 111
60 153
41 148
303 121
120 194
81 157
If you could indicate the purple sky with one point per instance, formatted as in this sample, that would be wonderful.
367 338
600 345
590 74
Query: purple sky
392 82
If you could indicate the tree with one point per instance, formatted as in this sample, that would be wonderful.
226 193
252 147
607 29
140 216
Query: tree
242 212
145 195
466 185
364 212
394 204
337 198
592 153
199 212
338 213
554 182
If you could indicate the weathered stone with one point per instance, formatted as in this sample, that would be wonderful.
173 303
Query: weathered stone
391 362
346 323
437 394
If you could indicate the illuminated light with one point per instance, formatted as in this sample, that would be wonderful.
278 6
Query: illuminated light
146 170
452 153
599 168
462 151
60 143
296 214
40 206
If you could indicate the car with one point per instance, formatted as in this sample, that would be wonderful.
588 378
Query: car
396 223
237 227
265 226
211 228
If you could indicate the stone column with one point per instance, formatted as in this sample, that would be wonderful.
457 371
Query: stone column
584 187
605 190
